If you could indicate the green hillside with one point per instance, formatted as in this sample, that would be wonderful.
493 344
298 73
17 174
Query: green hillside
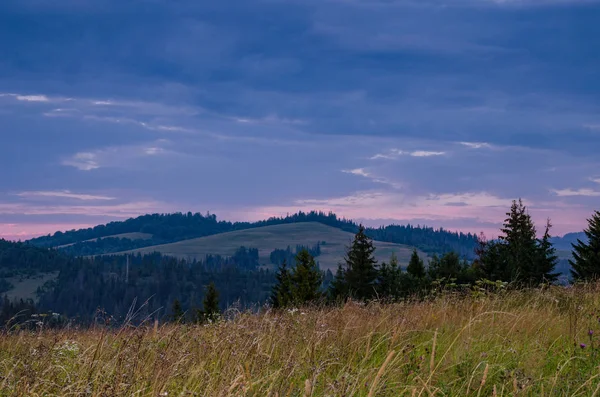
268 238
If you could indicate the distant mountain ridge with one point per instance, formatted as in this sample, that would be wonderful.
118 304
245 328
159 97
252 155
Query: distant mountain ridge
170 228
564 242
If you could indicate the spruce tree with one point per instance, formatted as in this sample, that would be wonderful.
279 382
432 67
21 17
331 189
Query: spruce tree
177 310
518 256
547 259
361 270
390 279
586 256
306 279
338 289
416 268
281 294
211 303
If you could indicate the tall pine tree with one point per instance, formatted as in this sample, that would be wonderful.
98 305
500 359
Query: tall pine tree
361 270
306 279
586 256
338 289
281 294
518 256
390 279
211 303
416 268
547 259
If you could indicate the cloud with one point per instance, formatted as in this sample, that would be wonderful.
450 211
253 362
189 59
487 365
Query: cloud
476 145
395 153
25 231
596 180
84 161
120 210
64 194
119 156
377 179
578 192
593 127
357 171
425 153
35 98
483 211
32 98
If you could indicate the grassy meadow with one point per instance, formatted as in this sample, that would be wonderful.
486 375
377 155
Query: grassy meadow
522 343
268 238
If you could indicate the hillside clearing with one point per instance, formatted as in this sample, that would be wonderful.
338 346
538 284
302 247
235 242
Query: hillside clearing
25 287
268 238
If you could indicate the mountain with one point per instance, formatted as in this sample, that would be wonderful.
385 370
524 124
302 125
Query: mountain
564 242
160 229
333 244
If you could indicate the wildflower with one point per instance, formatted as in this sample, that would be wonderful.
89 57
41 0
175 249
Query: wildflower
591 332
582 345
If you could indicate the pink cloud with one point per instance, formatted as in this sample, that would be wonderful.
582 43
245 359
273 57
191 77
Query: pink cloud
466 212
25 231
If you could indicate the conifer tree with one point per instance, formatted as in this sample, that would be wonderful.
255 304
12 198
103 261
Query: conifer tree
518 256
281 294
211 303
586 256
306 279
361 271
338 289
416 268
547 259
520 243
177 310
390 279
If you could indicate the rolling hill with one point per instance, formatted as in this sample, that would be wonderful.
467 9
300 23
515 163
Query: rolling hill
164 229
268 238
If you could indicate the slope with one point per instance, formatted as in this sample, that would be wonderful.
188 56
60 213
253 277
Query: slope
267 238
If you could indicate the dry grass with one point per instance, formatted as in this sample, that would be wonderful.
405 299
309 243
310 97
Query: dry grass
518 343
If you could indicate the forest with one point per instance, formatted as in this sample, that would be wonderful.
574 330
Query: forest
137 288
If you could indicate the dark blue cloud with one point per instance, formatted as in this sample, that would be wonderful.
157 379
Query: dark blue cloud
249 107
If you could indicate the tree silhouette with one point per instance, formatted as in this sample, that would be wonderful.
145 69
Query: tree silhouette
586 263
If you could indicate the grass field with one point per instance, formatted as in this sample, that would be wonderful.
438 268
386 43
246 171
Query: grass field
531 343
268 238
24 288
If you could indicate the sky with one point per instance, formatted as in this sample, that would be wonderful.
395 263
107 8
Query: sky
432 112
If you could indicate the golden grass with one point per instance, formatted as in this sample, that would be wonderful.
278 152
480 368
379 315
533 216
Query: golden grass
519 343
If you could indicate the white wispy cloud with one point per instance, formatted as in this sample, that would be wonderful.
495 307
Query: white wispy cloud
119 156
64 194
578 192
33 98
121 210
596 180
476 145
395 153
374 178
425 153
84 161
357 171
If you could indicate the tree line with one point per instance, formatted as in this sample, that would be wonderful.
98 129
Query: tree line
518 258
167 228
